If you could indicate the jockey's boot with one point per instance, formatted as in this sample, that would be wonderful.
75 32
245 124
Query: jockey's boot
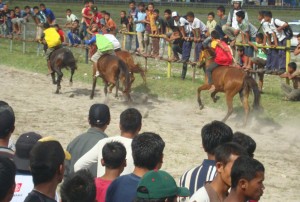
50 71
184 70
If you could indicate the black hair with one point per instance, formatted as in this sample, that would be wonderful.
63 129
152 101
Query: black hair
214 34
104 11
246 168
141 4
268 14
212 14
292 65
221 8
123 12
27 7
156 11
7 176
261 13
113 154
56 25
76 21
68 10
260 35
17 7
241 48
131 2
224 151
147 150
151 4
245 141
130 120
7 120
168 199
46 25
43 5
298 35
215 134
91 1
99 115
107 13
86 1
35 7
190 14
168 11
78 187
240 14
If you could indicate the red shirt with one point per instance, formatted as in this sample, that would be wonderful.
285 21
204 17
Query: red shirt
97 17
101 188
87 11
62 35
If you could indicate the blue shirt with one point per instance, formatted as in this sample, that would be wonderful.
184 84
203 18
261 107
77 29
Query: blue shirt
140 27
49 14
123 189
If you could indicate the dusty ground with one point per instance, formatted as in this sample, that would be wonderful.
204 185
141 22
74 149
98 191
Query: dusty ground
38 109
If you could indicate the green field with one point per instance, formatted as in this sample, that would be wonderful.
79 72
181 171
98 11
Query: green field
158 85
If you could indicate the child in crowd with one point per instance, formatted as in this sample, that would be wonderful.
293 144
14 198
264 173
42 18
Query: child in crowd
156 30
241 57
124 21
114 161
73 34
150 29
110 26
291 93
246 142
97 16
139 20
70 17
103 19
177 40
93 30
222 21
211 23
60 32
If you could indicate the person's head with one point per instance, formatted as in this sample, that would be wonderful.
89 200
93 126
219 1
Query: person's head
261 15
76 23
141 6
107 16
240 16
240 51
156 13
225 155
7 179
246 142
86 3
47 161
130 18
99 116
5 7
24 145
292 67
56 26
175 15
159 186
12 13
268 16
42 7
147 151
7 121
190 16
130 121
114 156
27 9
46 25
36 9
298 38
150 7
17 9
68 12
247 176
221 11
259 38
78 187
214 134
167 14
103 12
210 16
132 5
215 35
94 9
237 4
123 14
91 3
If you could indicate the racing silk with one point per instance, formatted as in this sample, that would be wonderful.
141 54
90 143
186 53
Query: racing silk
223 57
104 42
52 37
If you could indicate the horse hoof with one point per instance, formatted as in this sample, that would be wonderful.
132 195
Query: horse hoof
91 97
215 99
201 107
70 83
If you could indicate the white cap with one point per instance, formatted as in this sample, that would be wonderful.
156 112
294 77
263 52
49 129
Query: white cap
174 14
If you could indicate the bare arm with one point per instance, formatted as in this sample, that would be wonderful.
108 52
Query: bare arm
297 50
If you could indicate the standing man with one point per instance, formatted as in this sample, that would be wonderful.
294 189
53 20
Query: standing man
49 14
222 21
40 19
133 11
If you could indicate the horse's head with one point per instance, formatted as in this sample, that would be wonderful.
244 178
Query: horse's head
207 54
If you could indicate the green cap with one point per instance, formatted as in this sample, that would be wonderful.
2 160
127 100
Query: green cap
159 184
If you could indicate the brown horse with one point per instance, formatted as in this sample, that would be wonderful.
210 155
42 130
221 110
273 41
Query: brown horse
112 69
230 81
59 59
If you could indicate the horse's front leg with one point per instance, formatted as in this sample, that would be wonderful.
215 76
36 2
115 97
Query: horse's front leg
111 87
93 87
214 97
201 88
117 86
59 78
105 88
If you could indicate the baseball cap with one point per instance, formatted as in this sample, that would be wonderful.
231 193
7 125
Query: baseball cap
159 184
174 14
99 115
24 145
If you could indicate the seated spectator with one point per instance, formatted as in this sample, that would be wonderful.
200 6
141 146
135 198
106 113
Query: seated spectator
99 119
110 26
28 12
114 161
7 127
130 125
211 22
291 93
7 179
49 14
24 182
247 176
97 17
40 19
213 134
78 187
217 190
70 17
16 20
177 40
60 32
159 186
93 30
242 58
47 167
74 33
147 152
246 142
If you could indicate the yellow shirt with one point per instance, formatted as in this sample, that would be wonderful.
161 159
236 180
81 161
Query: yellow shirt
52 37
150 18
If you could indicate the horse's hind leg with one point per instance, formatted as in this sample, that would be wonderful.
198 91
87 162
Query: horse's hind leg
71 78
53 78
59 78
105 88
117 86
111 87
201 88
93 87
214 97
246 106
229 101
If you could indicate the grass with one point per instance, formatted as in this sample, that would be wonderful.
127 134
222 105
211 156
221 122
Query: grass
157 83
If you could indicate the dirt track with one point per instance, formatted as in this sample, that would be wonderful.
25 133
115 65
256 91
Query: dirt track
38 109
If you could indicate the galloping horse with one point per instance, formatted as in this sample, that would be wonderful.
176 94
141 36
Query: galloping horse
59 59
112 69
230 81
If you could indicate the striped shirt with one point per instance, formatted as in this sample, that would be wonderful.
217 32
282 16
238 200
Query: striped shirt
195 178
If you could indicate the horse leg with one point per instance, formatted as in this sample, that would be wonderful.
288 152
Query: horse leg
143 76
53 78
59 78
229 101
111 88
93 87
246 107
71 78
105 88
201 88
214 97
117 86
132 78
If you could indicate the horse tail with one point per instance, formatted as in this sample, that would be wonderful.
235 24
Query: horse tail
250 83
124 71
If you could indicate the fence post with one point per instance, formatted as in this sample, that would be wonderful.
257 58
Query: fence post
124 41
24 38
288 57
86 55
11 44
169 63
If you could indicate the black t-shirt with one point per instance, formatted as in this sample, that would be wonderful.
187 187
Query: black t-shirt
170 23
161 25
35 196
124 21
2 15
7 13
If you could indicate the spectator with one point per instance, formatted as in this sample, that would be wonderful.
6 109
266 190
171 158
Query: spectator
103 20
60 32
129 40
1 5
78 187
133 12
211 22
159 186
156 30
99 119
114 161
246 142
150 29
247 176
24 182
217 190
110 26
242 58
40 19
291 94
222 21
74 33
49 14
297 49
8 25
147 152
17 20
213 134
169 22
176 38
3 26
47 168
130 126
27 13
7 176
139 20
93 30
97 16
70 17
7 127
86 17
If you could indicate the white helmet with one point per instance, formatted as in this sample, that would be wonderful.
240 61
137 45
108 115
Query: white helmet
238 1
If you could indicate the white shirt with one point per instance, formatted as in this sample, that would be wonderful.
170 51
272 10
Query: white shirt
114 40
235 23
182 22
200 196
280 35
95 156
71 18
265 27
198 24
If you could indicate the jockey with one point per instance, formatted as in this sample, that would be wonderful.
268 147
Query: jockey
53 41
106 44
223 57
